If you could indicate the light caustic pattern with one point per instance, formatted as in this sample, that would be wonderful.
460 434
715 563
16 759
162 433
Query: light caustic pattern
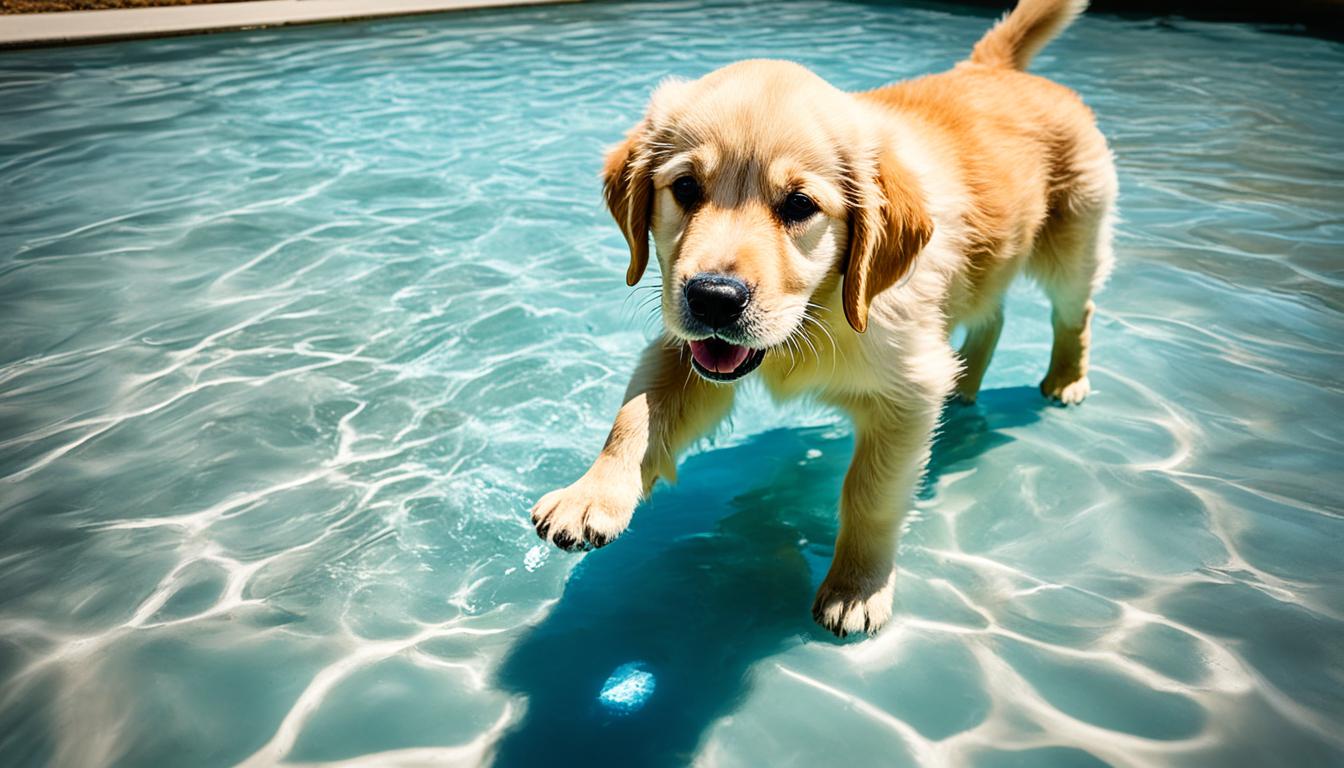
298 323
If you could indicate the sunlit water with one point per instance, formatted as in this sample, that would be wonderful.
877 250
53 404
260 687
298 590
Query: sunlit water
298 323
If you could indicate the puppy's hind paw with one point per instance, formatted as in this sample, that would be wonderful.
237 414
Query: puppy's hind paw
965 392
963 398
847 607
1066 390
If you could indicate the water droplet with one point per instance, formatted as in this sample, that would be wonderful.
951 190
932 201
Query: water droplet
535 558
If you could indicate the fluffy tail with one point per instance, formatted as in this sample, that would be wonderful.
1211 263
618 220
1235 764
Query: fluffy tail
1019 35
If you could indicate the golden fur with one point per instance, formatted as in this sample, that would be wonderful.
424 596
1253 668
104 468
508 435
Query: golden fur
932 195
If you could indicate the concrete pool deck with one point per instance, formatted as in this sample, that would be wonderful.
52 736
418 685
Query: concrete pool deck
69 27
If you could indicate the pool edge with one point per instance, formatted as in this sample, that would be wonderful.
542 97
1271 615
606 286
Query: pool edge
42 30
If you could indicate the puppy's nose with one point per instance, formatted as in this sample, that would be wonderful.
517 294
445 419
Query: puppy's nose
716 300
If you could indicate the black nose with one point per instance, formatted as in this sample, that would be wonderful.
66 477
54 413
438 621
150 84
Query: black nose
716 300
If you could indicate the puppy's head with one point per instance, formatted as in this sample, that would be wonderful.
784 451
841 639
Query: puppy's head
757 183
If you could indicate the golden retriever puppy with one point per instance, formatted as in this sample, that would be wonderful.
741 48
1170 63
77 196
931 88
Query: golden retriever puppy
831 242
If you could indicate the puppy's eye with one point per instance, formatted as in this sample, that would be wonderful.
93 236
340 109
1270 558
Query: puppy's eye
797 207
686 190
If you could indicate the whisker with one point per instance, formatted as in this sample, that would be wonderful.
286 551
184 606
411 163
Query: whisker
836 351
639 296
806 338
793 359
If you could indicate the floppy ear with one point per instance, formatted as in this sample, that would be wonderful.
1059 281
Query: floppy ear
629 193
888 227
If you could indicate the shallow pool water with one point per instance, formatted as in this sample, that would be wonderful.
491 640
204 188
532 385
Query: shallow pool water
297 324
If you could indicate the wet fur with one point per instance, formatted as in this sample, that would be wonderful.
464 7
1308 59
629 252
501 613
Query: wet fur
934 193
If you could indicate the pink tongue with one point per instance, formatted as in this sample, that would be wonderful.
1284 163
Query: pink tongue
718 356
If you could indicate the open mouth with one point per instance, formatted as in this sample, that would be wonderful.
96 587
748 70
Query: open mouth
719 360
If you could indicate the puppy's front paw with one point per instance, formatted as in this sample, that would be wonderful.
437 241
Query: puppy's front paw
1066 389
852 603
588 514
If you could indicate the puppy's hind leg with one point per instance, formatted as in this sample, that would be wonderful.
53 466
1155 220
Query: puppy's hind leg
1071 261
975 354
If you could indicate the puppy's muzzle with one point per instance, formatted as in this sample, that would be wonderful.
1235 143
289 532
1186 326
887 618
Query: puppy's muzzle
716 303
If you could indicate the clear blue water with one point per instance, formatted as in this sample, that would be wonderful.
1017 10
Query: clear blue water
298 323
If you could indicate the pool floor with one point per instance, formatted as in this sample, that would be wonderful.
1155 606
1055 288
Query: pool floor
299 323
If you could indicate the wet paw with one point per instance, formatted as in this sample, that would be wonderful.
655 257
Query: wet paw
1068 390
586 515
965 392
846 606
961 397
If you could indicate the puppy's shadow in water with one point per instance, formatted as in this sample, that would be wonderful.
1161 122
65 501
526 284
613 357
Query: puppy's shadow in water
970 431
715 574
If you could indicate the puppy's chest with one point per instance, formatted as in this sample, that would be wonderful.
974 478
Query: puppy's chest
827 362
